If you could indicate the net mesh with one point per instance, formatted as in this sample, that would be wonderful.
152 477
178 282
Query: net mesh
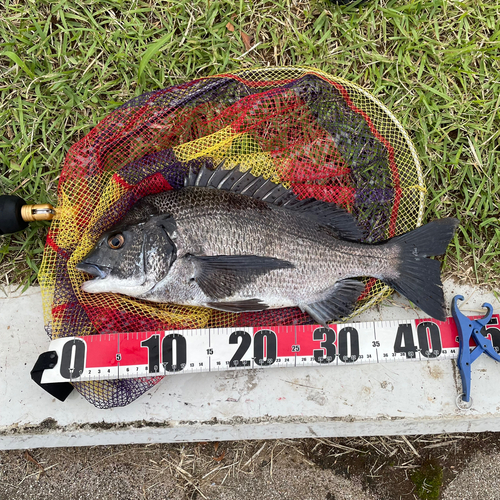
321 136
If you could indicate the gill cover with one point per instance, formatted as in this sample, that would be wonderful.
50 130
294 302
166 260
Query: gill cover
131 259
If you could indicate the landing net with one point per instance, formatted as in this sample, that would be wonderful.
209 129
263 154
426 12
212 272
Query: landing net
319 135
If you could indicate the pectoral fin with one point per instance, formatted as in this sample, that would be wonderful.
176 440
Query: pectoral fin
222 276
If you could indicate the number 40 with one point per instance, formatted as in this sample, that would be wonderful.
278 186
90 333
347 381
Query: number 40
405 343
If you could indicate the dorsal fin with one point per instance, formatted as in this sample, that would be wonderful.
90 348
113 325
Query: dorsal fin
236 181
328 214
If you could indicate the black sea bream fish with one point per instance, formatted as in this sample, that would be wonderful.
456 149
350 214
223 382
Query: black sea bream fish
235 242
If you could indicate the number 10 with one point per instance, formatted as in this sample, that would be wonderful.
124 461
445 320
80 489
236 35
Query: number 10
167 352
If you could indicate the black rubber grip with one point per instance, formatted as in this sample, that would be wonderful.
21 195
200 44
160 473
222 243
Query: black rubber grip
10 214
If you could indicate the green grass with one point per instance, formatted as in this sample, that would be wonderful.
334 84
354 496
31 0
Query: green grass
435 63
428 480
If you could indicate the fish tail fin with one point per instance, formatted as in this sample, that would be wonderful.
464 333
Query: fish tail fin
419 278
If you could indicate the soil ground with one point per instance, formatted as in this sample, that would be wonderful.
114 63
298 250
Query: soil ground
443 467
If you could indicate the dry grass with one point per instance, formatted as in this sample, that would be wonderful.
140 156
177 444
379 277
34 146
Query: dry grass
383 465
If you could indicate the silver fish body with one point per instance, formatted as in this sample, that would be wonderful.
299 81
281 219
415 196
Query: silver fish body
218 248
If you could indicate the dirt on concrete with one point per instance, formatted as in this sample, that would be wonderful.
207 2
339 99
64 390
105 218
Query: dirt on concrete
444 467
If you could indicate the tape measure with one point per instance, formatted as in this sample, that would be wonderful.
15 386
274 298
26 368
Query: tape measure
152 354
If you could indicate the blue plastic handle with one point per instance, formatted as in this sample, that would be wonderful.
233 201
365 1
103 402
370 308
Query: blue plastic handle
468 328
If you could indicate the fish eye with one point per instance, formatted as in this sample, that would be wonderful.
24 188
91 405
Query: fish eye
116 241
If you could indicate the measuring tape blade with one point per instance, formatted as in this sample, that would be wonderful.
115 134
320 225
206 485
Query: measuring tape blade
152 354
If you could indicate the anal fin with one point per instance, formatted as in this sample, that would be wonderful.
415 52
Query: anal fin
339 302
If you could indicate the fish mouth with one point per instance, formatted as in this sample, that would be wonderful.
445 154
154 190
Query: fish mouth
93 270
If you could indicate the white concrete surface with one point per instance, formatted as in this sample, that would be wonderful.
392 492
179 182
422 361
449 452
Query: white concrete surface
399 398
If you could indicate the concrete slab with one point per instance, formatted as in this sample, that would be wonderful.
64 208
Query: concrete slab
381 399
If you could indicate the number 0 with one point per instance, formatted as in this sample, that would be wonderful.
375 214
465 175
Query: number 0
167 352
72 367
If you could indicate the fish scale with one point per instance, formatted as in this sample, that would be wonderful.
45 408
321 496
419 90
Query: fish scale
319 258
